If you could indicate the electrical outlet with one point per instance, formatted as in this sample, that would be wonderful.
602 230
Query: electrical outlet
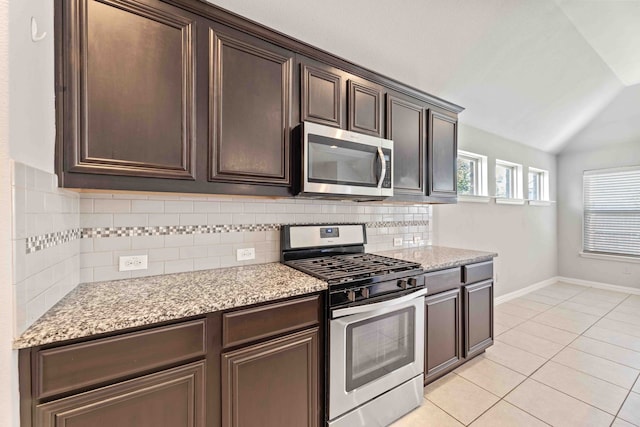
397 241
417 240
245 254
134 262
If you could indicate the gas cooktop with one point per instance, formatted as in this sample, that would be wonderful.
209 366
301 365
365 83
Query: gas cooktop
351 267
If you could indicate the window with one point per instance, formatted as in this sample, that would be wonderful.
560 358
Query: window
472 174
538 184
508 178
612 211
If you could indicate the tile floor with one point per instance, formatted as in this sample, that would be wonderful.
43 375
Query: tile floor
564 355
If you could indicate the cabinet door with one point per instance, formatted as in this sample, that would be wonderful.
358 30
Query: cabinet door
443 332
478 301
364 109
272 384
443 155
322 96
172 398
250 124
405 126
128 72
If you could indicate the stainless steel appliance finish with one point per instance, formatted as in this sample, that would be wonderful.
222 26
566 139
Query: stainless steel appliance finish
342 163
376 323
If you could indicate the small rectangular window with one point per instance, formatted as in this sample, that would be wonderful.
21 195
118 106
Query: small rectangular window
612 211
538 184
472 174
508 178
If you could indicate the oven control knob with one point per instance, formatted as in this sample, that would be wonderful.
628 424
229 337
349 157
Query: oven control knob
413 282
402 284
351 295
364 292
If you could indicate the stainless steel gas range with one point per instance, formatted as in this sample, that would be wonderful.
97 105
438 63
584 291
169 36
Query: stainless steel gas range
375 358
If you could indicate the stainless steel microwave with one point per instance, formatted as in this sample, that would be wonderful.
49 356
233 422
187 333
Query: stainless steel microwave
338 163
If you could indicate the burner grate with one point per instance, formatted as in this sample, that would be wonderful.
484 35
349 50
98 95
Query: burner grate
342 268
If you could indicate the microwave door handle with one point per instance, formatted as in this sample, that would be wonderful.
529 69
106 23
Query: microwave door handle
383 167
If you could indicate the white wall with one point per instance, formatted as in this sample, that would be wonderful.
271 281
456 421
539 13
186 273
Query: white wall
32 115
571 165
8 357
524 236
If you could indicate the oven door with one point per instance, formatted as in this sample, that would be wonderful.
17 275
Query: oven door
373 349
341 162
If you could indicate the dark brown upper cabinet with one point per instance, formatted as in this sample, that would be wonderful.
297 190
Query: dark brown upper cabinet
405 126
365 110
442 155
322 96
128 72
249 106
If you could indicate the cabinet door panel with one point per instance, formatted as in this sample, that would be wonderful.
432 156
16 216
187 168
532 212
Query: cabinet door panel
443 332
129 101
272 384
250 117
172 398
364 109
405 126
443 154
321 96
478 300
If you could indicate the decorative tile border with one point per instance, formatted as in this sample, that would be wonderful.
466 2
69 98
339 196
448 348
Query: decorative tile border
38 243
44 241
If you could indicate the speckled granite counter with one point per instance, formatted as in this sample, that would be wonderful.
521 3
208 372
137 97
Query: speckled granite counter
95 308
439 257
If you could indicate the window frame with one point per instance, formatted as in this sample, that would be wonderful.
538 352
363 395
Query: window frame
481 181
543 184
604 255
516 194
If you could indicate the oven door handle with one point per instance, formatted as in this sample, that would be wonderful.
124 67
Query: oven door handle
341 312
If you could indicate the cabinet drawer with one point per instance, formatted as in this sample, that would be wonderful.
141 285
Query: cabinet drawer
82 365
243 326
442 280
473 273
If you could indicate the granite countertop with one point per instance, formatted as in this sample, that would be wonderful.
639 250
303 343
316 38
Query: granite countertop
439 257
95 308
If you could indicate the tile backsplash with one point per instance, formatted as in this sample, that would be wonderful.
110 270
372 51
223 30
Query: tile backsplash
40 208
62 238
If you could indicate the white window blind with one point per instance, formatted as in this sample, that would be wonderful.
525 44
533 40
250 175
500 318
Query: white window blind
612 211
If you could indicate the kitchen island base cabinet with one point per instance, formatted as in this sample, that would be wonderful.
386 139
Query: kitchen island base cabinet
272 384
171 398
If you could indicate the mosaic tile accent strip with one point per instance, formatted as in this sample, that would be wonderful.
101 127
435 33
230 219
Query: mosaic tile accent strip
38 243
49 240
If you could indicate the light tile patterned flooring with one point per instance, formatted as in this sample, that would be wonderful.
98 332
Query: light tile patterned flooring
564 355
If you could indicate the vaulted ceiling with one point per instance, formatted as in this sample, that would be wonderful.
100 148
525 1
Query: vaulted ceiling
540 72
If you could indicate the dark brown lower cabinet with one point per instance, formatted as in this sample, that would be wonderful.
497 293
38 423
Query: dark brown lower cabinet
478 317
442 326
272 384
171 398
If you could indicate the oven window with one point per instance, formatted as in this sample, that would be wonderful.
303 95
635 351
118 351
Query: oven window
380 345
333 161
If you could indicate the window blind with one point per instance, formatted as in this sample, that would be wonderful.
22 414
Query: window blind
612 211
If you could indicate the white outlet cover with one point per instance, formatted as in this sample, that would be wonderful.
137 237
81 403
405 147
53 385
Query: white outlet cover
245 254
133 262
397 241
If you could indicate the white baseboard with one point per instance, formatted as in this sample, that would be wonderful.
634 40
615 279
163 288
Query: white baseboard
520 292
599 285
